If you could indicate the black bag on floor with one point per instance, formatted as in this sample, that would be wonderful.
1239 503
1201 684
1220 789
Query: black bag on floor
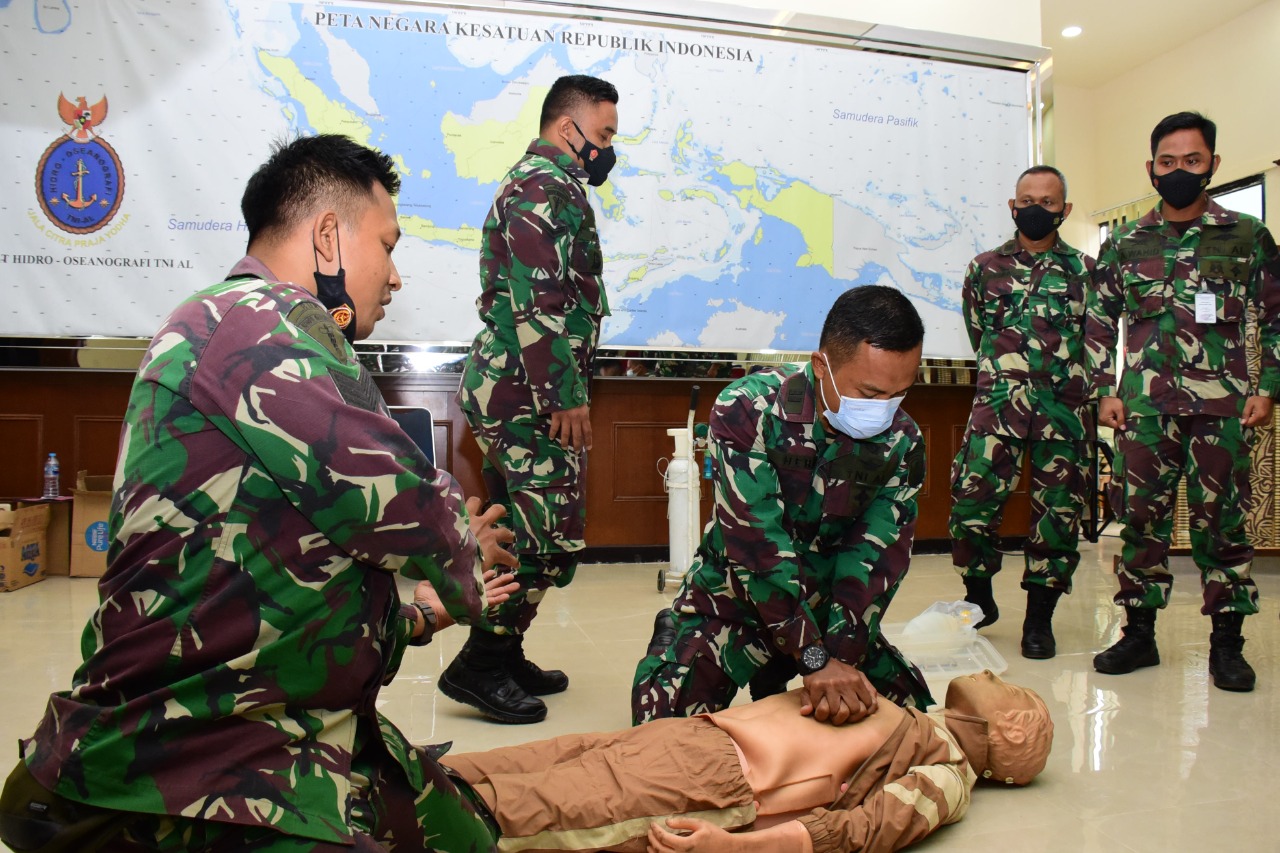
33 819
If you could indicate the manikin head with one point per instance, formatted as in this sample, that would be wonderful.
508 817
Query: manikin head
1004 730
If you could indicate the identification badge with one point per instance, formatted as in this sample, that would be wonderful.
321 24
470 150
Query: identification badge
1206 307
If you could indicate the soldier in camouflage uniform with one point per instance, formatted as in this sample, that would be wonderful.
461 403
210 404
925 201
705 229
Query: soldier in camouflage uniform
1024 310
810 537
1185 275
526 385
249 614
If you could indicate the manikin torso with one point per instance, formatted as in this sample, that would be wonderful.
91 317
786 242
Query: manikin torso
794 763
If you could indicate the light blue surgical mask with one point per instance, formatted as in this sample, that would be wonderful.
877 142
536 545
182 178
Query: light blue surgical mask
858 417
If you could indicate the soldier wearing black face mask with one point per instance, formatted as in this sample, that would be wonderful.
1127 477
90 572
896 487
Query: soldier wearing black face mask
1185 276
526 389
1024 307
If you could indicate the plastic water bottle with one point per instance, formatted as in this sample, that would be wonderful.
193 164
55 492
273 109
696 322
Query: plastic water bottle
51 469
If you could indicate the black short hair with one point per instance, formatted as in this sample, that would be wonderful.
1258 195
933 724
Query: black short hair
1042 169
874 314
1185 121
310 171
570 92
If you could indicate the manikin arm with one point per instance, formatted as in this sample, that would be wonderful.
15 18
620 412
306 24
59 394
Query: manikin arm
703 837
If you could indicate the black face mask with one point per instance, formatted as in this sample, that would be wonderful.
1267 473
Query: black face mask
1181 188
596 161
332 292
1035 222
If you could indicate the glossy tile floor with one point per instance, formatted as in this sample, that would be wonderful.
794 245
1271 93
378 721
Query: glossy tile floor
1158 760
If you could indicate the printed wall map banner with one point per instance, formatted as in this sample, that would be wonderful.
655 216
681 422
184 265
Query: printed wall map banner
757 178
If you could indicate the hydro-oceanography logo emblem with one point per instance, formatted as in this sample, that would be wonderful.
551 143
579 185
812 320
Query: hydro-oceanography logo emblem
80 182
342 315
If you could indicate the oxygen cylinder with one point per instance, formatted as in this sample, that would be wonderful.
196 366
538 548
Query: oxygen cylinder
682 488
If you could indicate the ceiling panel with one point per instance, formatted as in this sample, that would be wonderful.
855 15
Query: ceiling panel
1120 35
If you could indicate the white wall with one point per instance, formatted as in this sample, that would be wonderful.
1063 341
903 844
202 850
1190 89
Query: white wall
1001 20
1074 132
1015 21
1230 73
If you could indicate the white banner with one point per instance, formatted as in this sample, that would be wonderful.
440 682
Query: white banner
757 178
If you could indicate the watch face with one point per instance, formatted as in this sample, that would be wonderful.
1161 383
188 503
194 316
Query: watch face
813 658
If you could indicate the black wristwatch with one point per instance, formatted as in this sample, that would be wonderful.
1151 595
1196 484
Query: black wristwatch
429 617
813 657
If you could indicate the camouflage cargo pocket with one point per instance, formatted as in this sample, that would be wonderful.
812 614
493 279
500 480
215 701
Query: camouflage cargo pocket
1146 298
587 264
1059 310
795 473
549 519
1224 277
853 481
1005 298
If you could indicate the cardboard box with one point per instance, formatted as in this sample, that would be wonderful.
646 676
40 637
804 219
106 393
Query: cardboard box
57 537
89 516
22 545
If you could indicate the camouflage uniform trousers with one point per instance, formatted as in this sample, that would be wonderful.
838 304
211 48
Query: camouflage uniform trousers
386 814
985 472
712 658
1213 452
541 485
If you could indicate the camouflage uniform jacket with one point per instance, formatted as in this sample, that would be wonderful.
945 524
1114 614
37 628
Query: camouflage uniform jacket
249 613
1025 318
809 525
1173 364
542 298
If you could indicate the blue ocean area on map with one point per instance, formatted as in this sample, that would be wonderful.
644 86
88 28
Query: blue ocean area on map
411 110
757 178
766 284
757 263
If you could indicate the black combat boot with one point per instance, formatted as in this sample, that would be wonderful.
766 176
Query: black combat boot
1227 666
664 633
978 591
1136 648
535 680
1037 628
478 677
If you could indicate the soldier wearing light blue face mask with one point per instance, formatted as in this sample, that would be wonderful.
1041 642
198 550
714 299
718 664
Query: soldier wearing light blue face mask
811 532
859 417
877 370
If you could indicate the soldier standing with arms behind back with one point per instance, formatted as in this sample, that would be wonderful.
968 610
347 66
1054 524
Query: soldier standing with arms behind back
1024 309
1184 275
526 384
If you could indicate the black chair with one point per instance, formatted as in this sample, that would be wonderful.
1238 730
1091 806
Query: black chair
417 423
